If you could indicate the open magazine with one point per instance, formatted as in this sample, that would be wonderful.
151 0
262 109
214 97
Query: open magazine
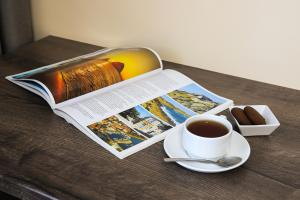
120 98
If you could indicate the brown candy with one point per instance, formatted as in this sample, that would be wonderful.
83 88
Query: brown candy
254 116
240 116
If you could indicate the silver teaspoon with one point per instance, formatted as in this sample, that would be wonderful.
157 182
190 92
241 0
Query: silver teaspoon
223 162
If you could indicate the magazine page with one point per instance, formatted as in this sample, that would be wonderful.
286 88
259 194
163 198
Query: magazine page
24 79
36 88
76 77
131 117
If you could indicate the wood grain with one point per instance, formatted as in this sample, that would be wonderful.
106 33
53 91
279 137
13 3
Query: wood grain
43 157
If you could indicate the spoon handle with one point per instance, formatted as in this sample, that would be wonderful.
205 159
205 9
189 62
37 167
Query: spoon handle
188 159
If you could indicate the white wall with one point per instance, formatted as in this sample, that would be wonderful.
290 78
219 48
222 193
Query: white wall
255 39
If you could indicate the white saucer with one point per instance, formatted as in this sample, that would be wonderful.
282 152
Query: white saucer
239 147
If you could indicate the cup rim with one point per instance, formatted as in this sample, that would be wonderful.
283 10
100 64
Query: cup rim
208 138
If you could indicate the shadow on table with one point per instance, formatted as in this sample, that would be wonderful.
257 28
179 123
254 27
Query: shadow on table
7 196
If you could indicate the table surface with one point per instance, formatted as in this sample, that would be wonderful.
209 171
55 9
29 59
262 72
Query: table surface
43 157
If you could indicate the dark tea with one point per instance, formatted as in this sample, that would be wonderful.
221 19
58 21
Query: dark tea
207 128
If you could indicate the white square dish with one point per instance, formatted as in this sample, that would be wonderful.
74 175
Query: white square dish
254 130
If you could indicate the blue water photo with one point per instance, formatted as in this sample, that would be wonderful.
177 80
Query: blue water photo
176 112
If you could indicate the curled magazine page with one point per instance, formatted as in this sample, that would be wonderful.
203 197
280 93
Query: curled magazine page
85 74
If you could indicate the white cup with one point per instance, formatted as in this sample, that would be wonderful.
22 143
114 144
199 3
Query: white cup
206 147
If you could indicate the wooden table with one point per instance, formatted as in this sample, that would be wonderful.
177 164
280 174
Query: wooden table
43 157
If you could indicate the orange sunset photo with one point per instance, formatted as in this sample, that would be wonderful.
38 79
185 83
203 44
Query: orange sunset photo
82 76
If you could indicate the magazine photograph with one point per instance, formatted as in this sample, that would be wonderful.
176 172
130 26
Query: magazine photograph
144 122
